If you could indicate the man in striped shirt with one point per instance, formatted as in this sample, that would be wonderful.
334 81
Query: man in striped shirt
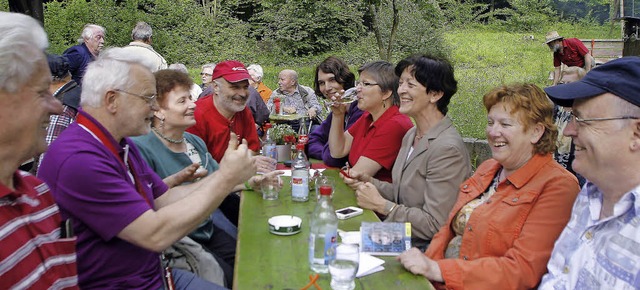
33 254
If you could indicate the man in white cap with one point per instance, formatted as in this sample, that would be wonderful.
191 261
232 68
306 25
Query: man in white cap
599 247
569 51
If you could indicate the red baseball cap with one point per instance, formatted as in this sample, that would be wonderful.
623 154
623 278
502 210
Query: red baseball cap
231 70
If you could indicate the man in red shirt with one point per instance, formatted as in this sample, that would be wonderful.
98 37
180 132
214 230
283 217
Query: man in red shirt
570 51
226 110
35 251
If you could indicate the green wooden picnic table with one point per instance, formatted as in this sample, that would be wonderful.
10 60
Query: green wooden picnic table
268 261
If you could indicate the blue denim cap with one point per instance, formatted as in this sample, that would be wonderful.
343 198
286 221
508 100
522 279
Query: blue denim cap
620 77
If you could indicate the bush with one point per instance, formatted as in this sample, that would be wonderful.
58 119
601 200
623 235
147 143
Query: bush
306 27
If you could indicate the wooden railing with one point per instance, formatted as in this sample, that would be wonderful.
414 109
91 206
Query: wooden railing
604 50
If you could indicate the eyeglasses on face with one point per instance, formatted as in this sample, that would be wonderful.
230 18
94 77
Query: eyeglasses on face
585 121
365 84
151 100
205 74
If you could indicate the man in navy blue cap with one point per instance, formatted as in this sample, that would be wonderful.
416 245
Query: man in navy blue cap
600 246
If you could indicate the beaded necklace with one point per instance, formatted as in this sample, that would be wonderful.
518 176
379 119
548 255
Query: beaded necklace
174 141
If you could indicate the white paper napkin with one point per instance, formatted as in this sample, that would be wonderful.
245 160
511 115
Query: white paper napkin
368 264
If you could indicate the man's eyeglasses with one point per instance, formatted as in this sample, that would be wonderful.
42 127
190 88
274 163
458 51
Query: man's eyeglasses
365 84
205 74
151 100
581 121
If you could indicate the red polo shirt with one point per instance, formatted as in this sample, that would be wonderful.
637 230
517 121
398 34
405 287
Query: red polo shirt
214 128
379 141
32 253
573 51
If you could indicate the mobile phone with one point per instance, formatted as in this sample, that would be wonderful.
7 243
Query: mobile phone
348 212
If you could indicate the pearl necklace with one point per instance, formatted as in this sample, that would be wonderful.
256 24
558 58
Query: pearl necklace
174 141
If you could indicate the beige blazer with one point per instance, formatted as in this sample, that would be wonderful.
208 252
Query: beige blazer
425 185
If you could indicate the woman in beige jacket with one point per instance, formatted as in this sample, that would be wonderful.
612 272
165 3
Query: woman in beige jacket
433 159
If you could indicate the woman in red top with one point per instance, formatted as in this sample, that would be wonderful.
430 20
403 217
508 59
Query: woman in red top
373 142
508 215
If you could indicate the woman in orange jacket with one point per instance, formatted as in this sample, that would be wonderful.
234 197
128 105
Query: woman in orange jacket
508 215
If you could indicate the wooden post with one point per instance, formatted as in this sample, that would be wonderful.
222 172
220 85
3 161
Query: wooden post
631 36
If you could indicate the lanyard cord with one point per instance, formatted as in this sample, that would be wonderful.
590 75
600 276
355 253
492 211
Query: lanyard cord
90 126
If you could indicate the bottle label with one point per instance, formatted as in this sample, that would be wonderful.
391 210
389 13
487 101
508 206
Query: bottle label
330 243
270 151
300 187
303 139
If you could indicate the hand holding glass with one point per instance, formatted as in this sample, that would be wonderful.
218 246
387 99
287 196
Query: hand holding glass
345 266
270 187
349 96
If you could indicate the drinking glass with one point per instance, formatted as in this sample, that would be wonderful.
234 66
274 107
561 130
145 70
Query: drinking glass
349 96
323 181
344 267
271 187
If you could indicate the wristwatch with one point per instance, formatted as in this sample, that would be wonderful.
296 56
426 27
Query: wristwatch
389 207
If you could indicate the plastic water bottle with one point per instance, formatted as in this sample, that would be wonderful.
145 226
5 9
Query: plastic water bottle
269 145
300 175
303 132
324 232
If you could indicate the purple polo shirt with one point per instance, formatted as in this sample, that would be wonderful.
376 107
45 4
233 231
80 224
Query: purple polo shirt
94 188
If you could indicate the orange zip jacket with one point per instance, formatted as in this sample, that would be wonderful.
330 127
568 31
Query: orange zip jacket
508 240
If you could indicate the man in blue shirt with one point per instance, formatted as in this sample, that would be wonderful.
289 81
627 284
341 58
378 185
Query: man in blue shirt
82 54
599 246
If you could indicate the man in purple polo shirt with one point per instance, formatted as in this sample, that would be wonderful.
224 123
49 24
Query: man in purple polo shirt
123 214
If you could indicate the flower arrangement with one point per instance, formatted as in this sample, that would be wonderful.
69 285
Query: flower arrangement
283 134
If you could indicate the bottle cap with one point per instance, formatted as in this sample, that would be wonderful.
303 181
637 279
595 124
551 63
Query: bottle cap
325 190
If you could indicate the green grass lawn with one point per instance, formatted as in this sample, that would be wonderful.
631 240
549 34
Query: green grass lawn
483 59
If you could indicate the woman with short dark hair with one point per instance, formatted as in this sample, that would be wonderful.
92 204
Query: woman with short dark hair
433 159
373 142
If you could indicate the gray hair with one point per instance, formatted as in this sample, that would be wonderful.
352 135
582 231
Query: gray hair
142 31
625 108
258 69
211 65
384 74
109 72
88 30
292 73
22 45
179 67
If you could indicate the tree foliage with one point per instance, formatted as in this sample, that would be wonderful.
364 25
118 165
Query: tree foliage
418 28
304 27
182 31
293 31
